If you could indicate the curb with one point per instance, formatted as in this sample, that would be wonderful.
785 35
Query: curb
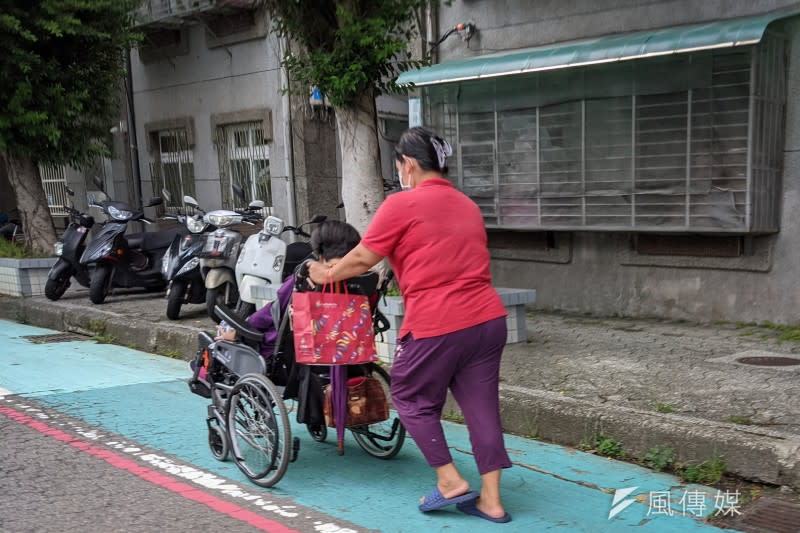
169 339
751 453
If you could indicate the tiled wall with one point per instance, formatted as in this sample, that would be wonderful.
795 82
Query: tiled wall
24 277
514 300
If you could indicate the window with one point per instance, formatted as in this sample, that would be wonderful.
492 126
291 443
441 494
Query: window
687 143
173 167
54 183
244 161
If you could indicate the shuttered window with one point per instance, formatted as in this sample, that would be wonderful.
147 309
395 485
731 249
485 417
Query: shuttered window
679 144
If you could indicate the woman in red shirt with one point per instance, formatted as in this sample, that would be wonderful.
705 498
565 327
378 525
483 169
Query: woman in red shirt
454 329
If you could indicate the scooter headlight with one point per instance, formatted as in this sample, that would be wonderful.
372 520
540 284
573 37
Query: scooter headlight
165 264
195 225
222 220
192 264
273 226
59 248
119 214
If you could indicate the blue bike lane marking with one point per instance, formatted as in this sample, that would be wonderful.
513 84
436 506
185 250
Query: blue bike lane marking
145 398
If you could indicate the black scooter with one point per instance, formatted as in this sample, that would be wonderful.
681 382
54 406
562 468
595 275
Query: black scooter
69 250
126 260
181 263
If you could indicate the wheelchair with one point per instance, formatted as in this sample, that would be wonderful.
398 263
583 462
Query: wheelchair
248 419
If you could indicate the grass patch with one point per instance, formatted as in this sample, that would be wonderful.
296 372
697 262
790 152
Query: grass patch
105 339
707 473
172 354
610 448
664 408
13 250
659 459
739 419
458 418
98 327
21 316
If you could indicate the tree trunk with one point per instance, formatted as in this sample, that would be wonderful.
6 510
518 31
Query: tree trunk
362 182
37 225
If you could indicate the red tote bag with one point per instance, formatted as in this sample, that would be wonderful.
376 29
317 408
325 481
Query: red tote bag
332 328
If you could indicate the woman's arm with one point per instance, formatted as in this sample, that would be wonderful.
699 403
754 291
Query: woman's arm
356 262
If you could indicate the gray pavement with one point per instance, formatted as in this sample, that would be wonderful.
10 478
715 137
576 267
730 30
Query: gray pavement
645 383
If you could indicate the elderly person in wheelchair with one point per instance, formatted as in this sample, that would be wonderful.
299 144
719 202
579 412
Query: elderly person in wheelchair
249 370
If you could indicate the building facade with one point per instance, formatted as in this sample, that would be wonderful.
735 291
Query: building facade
211 112
629 157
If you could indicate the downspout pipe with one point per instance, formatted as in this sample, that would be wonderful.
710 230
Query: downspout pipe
133 142
288 144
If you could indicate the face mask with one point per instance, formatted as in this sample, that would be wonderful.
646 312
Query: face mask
404 186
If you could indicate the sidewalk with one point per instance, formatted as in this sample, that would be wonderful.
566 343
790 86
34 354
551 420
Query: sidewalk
642 383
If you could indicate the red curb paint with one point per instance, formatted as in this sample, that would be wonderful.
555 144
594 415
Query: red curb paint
153 476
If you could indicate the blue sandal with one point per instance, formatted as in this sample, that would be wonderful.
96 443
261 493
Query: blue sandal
471 508
435 500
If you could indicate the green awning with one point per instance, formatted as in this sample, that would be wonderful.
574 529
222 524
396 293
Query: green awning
609 49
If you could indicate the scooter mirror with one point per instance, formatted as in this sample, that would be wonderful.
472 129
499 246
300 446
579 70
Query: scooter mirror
155 200
255 205
318 218
238 191
166 195
70 191
191 202
98 183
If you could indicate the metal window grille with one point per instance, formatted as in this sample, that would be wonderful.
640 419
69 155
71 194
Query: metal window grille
54 182
705 156
173 167
243 157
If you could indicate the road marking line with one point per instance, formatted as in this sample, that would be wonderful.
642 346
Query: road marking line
5 392
154 477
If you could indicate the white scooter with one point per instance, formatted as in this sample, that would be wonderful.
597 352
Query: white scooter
266 260
220 252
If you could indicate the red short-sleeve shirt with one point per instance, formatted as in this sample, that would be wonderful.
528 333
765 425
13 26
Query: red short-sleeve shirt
436 242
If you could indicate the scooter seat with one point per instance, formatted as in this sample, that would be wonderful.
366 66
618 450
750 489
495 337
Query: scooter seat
135 240
153 240
160 239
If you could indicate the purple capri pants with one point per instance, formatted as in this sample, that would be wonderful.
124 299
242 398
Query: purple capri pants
468 362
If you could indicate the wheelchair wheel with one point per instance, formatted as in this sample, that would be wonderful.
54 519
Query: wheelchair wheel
259 431
383 439
318 432
218 443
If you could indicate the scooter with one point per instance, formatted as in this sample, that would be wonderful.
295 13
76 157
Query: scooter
220 252
266 260
126 260
181 264
69 250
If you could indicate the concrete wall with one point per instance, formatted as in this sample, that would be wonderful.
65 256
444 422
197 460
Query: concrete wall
205 81
598 272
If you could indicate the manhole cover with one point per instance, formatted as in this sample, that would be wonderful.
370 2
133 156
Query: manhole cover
769 361
54 337
773 516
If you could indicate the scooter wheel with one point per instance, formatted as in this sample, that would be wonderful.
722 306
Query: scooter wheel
175 299
101 281
55 288
245 309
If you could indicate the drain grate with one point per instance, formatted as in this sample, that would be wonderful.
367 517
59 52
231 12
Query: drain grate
54 337
773 516
768 361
